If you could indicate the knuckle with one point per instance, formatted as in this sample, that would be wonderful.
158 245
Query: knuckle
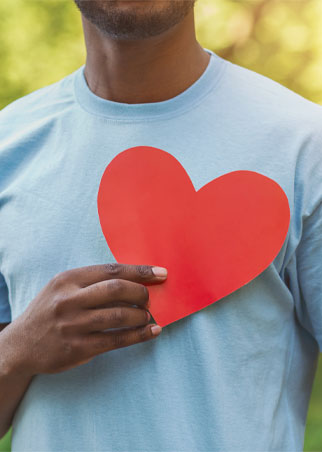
97 320
60 303
144 271
115 287
58 306
91 290
113 268
70 348
118 315
119 340
63 328
60 279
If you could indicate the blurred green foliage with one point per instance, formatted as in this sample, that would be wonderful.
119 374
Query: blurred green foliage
41 41
5 443
279 39
313 432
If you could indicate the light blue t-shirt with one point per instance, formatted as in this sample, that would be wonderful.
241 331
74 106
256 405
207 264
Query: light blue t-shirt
234 376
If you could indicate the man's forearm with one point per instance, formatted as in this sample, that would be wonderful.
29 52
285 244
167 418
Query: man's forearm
14 381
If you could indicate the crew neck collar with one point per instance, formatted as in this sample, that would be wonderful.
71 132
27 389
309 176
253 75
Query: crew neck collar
152 110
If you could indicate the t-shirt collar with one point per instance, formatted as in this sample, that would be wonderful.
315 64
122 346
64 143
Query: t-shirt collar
153 110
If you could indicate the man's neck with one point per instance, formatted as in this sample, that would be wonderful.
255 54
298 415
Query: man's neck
149 70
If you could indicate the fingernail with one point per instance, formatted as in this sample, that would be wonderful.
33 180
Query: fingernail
148 316
160 272
156 329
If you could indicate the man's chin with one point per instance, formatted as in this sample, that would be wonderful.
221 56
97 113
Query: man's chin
134 19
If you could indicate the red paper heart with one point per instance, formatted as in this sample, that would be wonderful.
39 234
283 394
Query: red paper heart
212 241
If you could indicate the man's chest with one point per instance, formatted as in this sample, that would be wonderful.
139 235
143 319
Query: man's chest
49 218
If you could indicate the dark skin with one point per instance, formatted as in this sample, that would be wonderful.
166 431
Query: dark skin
67 325
137 52
143 69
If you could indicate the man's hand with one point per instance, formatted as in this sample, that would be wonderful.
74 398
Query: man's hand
63 326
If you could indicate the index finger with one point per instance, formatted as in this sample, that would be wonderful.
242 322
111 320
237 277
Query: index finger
91 274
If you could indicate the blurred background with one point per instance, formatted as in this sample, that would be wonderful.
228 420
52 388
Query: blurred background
41 42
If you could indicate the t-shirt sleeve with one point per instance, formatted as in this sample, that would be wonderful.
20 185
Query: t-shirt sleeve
5 311
309 269
306 265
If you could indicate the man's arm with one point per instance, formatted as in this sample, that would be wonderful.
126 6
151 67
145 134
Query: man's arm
13 383
67 324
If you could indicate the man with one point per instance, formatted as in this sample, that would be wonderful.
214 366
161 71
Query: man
80 368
